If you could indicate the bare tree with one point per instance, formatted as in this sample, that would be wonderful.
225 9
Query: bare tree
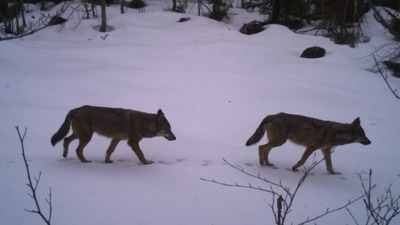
34 185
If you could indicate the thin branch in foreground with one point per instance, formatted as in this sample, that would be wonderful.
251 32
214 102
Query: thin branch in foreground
329 211
284 202
382 21
384 208
385 78
34 185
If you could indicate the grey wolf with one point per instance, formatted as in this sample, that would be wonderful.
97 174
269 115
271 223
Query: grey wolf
306 131
115 123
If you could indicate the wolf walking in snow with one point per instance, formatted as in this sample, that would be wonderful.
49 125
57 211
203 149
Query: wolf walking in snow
118 124
309 132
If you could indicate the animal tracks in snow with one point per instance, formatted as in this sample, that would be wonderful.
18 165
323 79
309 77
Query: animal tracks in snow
201 162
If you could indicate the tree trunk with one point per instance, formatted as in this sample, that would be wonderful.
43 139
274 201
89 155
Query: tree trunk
276 11
199 7
122 6
16 19
93 8
43 5
85 5
173 5
103 26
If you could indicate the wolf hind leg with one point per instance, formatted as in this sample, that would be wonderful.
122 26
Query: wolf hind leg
263 155
111 148
263 151
306 154
83 141
67 141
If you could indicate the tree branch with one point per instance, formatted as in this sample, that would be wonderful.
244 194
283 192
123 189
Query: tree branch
382 21
284 204
385 78
384 209
32 186
329 211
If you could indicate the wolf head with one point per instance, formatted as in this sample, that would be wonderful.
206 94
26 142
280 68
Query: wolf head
163 127
359 134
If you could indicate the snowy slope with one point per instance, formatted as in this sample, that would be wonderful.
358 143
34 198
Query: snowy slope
214 85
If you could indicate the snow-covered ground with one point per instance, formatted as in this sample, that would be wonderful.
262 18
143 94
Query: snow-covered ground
214 85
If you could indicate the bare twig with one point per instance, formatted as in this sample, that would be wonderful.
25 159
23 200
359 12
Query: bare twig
385 78
384 209
284 202
34 185
382 21
352 215
329 211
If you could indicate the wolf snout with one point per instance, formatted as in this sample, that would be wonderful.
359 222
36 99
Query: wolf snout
171 137
366 142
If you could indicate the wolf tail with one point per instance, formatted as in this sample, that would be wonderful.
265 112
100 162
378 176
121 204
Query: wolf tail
258 134
64 129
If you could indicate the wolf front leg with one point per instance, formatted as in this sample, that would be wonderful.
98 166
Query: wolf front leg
135 147
309 150
111 148
326 151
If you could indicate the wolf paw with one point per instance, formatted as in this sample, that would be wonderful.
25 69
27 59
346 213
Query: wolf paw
334 172
148 162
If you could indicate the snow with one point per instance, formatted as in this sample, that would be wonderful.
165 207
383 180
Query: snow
215 86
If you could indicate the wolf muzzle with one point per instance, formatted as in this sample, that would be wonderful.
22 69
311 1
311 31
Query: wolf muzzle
366 142
171 137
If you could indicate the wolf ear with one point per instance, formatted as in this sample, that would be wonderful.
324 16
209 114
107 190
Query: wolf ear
160 115
357 121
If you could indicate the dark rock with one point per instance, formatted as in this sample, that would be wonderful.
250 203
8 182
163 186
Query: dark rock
56 20
184 19
253 27
394 67
313 52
